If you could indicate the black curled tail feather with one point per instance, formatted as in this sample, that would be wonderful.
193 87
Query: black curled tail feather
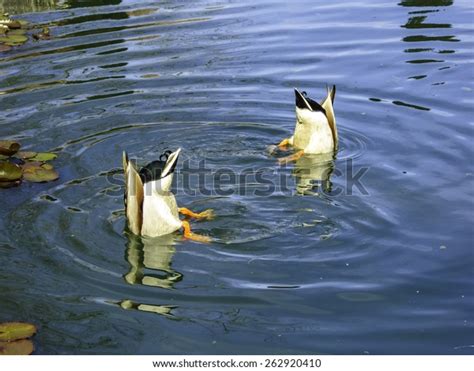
153 170
164 156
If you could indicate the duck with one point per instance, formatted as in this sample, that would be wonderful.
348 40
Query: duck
315 131
150 206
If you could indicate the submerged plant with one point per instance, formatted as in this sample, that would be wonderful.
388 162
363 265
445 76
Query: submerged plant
16 166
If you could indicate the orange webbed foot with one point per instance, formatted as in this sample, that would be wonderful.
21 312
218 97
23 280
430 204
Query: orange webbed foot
206 214
193 236
284 143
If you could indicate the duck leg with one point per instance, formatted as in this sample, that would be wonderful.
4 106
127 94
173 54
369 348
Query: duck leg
284 143
294 157
193 236
206 214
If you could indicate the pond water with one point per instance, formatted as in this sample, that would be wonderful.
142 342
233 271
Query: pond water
378 259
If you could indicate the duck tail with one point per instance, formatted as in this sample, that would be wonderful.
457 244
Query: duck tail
133 197
332 93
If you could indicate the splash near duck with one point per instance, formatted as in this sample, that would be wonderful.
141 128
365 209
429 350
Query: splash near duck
315 130
151 207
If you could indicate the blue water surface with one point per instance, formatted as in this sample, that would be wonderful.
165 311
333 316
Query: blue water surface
300 264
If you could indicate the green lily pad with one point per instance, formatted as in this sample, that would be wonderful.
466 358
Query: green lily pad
30 165
9 147
11 331
39 173
16 348
13 40
5 20
10 184
44 156
47 166
9 172
14 24
26 155
17 32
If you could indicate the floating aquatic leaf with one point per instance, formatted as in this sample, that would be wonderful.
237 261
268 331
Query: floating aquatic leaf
13 40
16 348
25 155
14 24
5 20
9 147
10 184
39 173
31 165
9 172
17 32
44 156
11 331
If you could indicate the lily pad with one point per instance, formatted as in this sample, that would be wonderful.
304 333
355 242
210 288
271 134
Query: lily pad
16 348
39 174
16 32
31 165
9 172
5 20
9 147
11 331
13 40
26 155
47 166
14 24
44 156
10 184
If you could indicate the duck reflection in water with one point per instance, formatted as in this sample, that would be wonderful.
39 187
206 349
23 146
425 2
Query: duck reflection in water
150 262
312 174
